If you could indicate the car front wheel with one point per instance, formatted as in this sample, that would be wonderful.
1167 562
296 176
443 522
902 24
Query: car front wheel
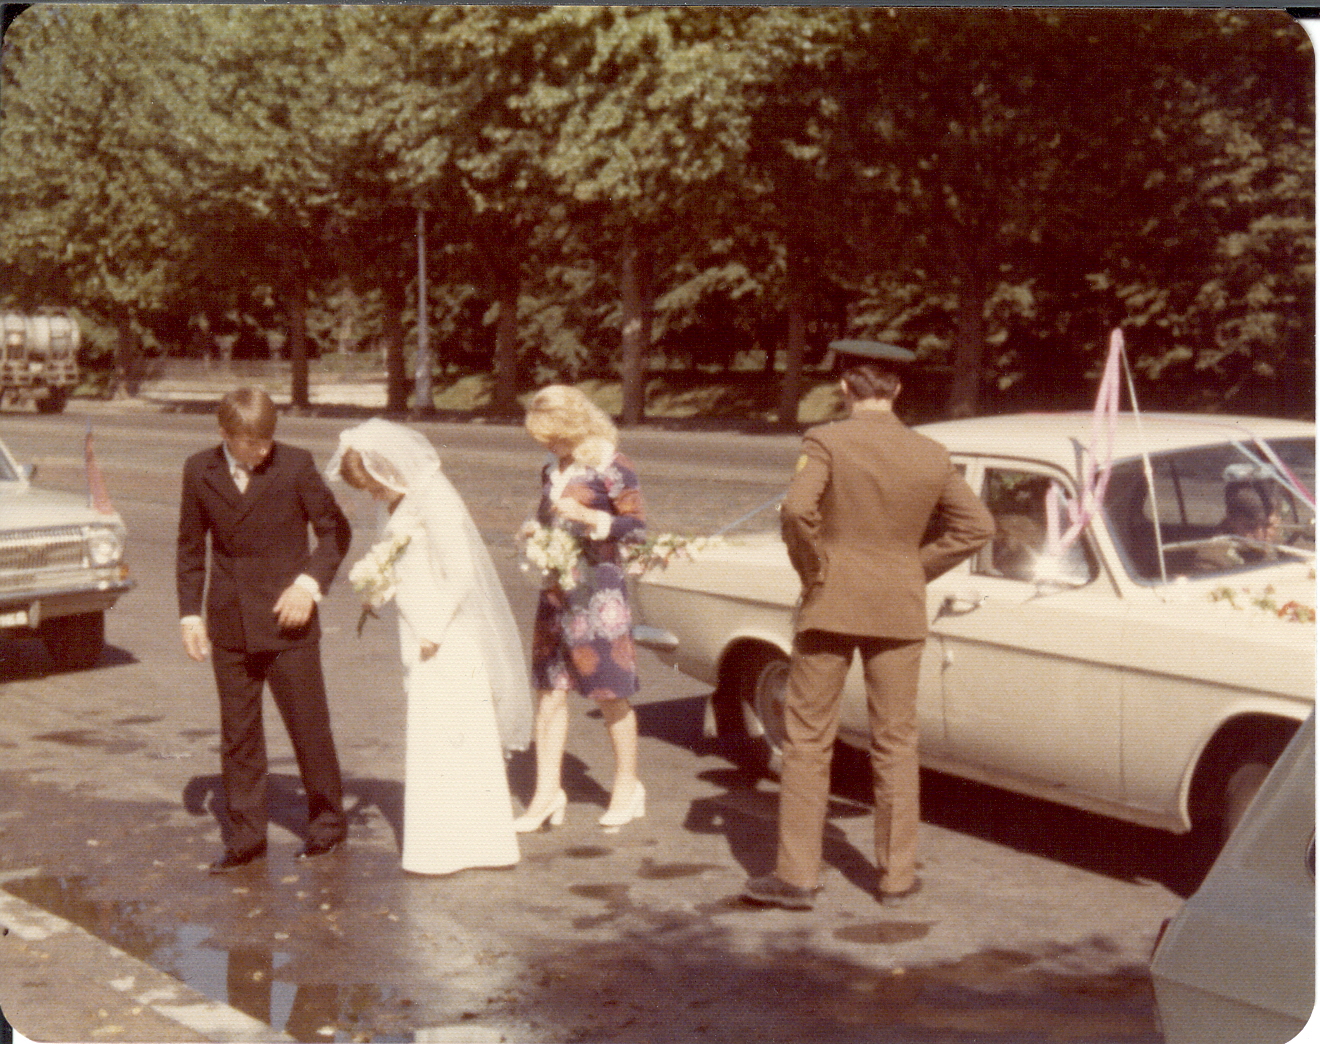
764 692
74 642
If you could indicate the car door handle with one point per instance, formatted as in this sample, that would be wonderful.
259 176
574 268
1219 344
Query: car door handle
961 603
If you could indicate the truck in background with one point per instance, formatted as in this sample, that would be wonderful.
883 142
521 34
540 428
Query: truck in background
38 358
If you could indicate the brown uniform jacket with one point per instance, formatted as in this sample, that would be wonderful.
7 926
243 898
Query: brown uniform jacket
259 545
875 511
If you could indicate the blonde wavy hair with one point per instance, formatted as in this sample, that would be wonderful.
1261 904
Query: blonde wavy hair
560 411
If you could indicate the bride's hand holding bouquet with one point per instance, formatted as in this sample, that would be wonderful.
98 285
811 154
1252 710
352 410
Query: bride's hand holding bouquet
372 576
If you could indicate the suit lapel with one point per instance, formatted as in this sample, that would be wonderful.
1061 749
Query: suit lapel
259 481
218 478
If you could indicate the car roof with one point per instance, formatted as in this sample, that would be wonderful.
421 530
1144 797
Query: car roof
1054 437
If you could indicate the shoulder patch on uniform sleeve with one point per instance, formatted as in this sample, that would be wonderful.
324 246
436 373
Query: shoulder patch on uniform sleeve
801 463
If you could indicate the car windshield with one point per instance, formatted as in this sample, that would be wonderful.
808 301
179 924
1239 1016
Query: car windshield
1216 509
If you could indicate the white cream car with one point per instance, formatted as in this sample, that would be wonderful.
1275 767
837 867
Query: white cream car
1237 962
1151 671
61 567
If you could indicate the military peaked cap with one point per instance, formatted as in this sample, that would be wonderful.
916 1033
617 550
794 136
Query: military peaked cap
855 352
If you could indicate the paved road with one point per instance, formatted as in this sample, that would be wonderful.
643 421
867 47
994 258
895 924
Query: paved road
1035 924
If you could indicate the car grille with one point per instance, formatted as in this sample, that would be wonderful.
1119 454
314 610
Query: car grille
31 551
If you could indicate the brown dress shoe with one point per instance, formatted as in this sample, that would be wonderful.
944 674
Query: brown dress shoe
232 861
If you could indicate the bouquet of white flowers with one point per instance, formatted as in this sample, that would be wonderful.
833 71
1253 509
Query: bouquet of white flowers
550 555
658 551
372 576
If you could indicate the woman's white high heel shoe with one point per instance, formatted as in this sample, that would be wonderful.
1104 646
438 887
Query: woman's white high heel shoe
634 809
526 823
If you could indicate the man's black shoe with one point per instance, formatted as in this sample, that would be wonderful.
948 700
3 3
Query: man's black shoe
315 850
896 898
770 890
231 861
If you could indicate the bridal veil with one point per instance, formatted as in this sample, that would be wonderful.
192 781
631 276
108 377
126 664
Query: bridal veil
401 459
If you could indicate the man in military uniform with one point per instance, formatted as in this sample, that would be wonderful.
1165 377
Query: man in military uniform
873 513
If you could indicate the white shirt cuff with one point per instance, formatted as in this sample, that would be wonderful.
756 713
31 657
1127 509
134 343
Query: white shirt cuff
310 586
191 621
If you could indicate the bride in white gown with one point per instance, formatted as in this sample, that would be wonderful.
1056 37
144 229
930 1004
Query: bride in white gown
464 673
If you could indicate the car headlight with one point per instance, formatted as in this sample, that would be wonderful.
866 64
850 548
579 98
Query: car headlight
105 545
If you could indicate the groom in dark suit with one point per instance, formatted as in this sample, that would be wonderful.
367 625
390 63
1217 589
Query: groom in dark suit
256 497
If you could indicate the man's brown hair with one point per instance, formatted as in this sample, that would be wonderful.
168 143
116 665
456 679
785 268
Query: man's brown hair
869 381
247 411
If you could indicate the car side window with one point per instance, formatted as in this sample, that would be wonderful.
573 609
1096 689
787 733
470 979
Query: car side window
1019 550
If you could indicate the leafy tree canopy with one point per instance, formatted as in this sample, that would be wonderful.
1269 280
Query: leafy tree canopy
996 188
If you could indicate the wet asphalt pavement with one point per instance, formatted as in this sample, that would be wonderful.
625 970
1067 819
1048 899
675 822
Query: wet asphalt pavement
1034 924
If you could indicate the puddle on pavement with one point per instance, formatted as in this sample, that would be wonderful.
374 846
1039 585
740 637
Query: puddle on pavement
652 871
883 932
587 851
606 893
244 978
614 896
91 738
995 995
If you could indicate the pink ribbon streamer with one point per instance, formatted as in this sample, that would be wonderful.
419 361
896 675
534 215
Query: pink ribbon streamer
1099 458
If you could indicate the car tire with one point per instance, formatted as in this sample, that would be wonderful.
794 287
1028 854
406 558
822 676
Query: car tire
764 687
74 642
53 401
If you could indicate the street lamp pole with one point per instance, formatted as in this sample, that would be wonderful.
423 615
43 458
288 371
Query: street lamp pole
423 405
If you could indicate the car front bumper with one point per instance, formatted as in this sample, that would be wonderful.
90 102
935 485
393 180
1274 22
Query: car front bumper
24 610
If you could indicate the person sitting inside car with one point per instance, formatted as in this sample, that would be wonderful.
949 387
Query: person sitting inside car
1018 542
1251 513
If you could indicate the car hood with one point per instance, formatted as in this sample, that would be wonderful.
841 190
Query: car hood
1265 590
26 507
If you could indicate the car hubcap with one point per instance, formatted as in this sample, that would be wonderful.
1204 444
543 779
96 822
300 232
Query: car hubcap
769 700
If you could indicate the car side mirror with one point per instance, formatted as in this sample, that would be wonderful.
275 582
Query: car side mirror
28 471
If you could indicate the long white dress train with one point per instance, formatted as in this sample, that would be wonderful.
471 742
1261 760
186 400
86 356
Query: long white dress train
457 812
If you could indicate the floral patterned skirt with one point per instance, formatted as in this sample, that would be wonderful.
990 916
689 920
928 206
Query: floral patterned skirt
583 638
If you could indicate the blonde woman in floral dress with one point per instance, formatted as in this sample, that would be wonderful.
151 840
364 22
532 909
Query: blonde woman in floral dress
467 687
583 634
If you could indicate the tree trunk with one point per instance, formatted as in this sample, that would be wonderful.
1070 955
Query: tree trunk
504 402
396 374
969 339
128 367
790 391
296 314
634 335
646 281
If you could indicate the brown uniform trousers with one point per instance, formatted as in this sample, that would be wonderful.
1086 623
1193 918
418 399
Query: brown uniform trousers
873 513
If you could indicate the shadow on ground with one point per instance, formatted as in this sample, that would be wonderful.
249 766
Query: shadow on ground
1091 842
24 658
